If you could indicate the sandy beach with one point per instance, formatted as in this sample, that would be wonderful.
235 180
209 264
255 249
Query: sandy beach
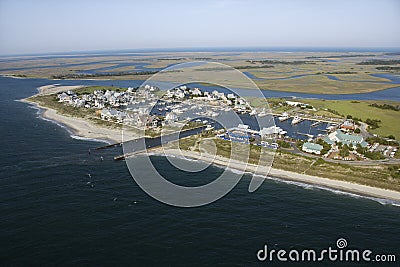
81 127
56 88
78 126
358 189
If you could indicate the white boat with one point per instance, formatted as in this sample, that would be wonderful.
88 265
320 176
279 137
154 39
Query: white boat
253 112
212 114
178 111
284 117
296 120
209 127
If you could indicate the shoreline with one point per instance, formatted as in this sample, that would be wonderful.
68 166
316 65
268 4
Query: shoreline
88 130
270 173
78 127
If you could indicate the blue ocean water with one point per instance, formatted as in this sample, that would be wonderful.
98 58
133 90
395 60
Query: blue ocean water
54 214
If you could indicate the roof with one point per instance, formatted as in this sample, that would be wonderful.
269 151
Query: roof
312 146
364 144
329 141
348 137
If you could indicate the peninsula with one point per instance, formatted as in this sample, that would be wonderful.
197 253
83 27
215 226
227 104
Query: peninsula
343 155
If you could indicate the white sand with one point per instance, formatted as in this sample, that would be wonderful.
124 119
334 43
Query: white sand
81 127
55 88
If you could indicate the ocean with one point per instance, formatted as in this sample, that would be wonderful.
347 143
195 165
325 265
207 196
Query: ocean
53 213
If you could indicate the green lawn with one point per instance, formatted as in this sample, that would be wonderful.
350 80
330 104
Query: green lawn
389 118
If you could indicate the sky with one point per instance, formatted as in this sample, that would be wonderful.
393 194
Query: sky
45 26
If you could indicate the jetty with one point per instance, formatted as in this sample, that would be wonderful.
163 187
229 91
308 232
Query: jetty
108 146
143 144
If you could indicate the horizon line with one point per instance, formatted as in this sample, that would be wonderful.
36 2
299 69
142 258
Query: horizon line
215 49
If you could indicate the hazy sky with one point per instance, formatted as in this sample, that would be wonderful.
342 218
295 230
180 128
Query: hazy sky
55 26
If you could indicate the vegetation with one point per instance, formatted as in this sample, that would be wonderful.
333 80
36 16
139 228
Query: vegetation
236 67
254 67
386 106
388 68
361 111
296 62
373 123
342 56
283 144
51 101
344 151
379 62
382 176
105 74
326 146
337 72
382 141
91 89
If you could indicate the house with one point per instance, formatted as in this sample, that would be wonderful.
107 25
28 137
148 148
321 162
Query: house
312 148
196 92
218 95
64 97
347 125
294 103
179 94
231 96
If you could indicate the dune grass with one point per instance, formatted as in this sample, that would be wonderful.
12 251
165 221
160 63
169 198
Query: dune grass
381 176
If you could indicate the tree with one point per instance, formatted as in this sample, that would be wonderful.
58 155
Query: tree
339 144
357 130
360 149
391 137
344 152
325 145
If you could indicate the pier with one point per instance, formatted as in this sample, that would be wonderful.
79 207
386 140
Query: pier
316 123
108 146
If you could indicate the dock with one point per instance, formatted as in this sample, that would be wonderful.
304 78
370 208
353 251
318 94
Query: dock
108 146
316 123
308 135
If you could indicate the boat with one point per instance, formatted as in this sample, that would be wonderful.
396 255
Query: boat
253 112
296 120
284 117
